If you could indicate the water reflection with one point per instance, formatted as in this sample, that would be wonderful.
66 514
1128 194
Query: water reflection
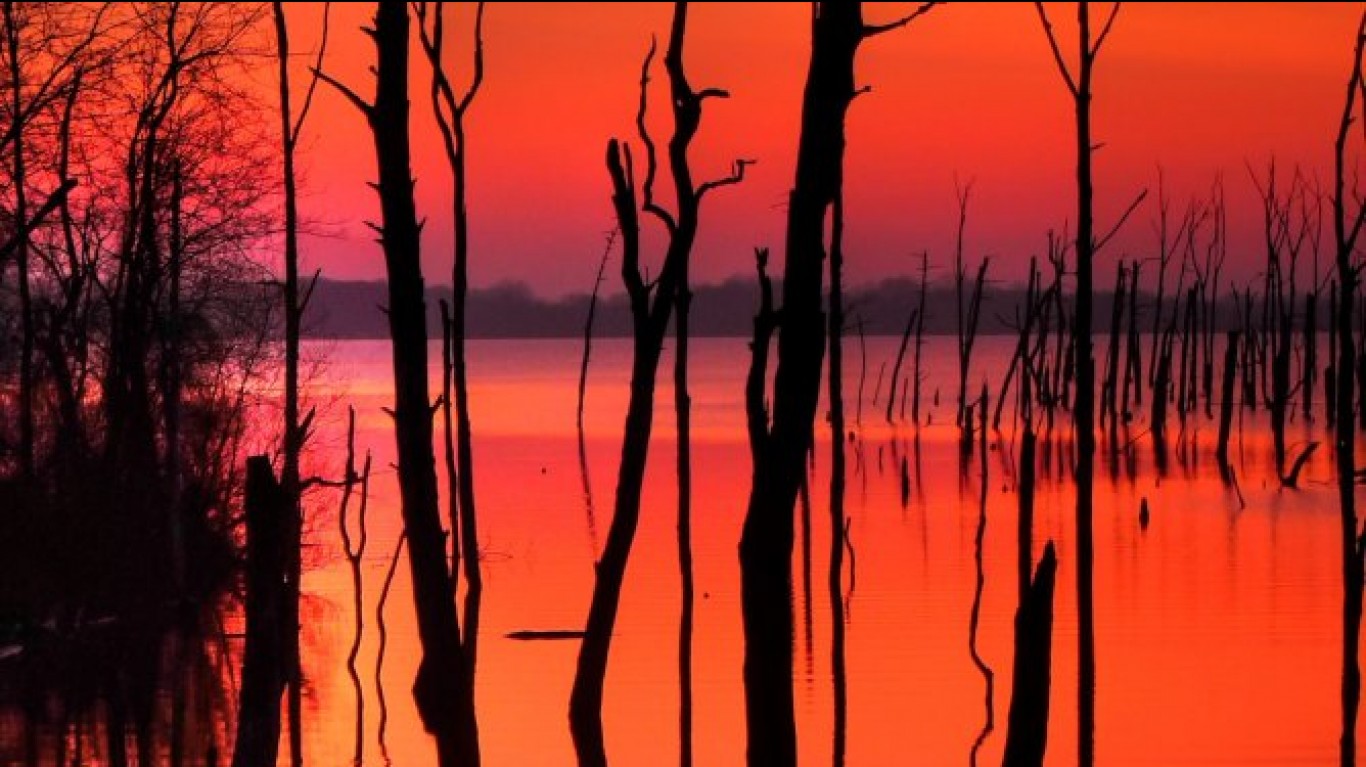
118 690
1182 612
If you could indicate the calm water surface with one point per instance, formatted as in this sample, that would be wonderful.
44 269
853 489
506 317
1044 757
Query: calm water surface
1218 628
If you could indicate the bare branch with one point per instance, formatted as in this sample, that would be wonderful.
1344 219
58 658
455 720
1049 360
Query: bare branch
478 78
736 176
648 204
359 103
1119 224
623 200
1057 52
313 84
1104 30
872 30
1346 234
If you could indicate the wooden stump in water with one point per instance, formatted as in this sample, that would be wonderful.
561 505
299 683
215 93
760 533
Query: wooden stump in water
1027 733
263 664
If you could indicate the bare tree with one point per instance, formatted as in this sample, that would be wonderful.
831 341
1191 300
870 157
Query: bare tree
295 428
450 112
1346 230
780 447
652 304
1078 82
440 690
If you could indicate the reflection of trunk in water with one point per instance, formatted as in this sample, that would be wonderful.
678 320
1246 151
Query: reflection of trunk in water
588 496
837 463
804 496
354 551
837 30
652 305
264 669
131 688
1346 231
976 614
583 385
683 413
383 644
1027 728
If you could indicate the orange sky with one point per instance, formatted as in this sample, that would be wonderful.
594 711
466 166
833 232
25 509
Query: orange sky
968 92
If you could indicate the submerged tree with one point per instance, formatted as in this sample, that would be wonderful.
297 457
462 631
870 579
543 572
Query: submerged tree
652 304
450 111
1078 82
780 447
1347 228
440 689
138 322
295 426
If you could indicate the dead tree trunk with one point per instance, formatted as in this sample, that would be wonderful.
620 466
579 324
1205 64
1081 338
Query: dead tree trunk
293 429
1109 403
21 252
967 317
780 449
450 114
1330 382
1079 86
1133 359
265 661
1027 728
1346 229
588 333
650 320
440 683
1309 372
1226 399
901 355
353 548
1019 356
919 336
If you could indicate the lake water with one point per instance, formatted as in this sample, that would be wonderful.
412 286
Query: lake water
1217 627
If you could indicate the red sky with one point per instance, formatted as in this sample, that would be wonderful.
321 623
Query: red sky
969 92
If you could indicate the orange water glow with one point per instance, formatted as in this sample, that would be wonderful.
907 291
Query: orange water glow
1217 627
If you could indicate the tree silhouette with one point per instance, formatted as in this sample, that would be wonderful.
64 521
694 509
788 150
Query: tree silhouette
1347 228
652 305
441 685
780 447
295 427
1083 411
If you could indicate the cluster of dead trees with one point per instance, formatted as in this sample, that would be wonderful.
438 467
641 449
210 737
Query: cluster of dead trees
132 196
136 330
1053 369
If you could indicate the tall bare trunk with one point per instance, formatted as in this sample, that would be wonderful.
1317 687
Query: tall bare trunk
1346 231
441 681
919 336
780 448
21 251
293 437
651 309
264 667
1083 413
835 579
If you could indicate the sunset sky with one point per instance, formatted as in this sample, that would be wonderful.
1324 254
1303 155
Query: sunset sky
969 92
